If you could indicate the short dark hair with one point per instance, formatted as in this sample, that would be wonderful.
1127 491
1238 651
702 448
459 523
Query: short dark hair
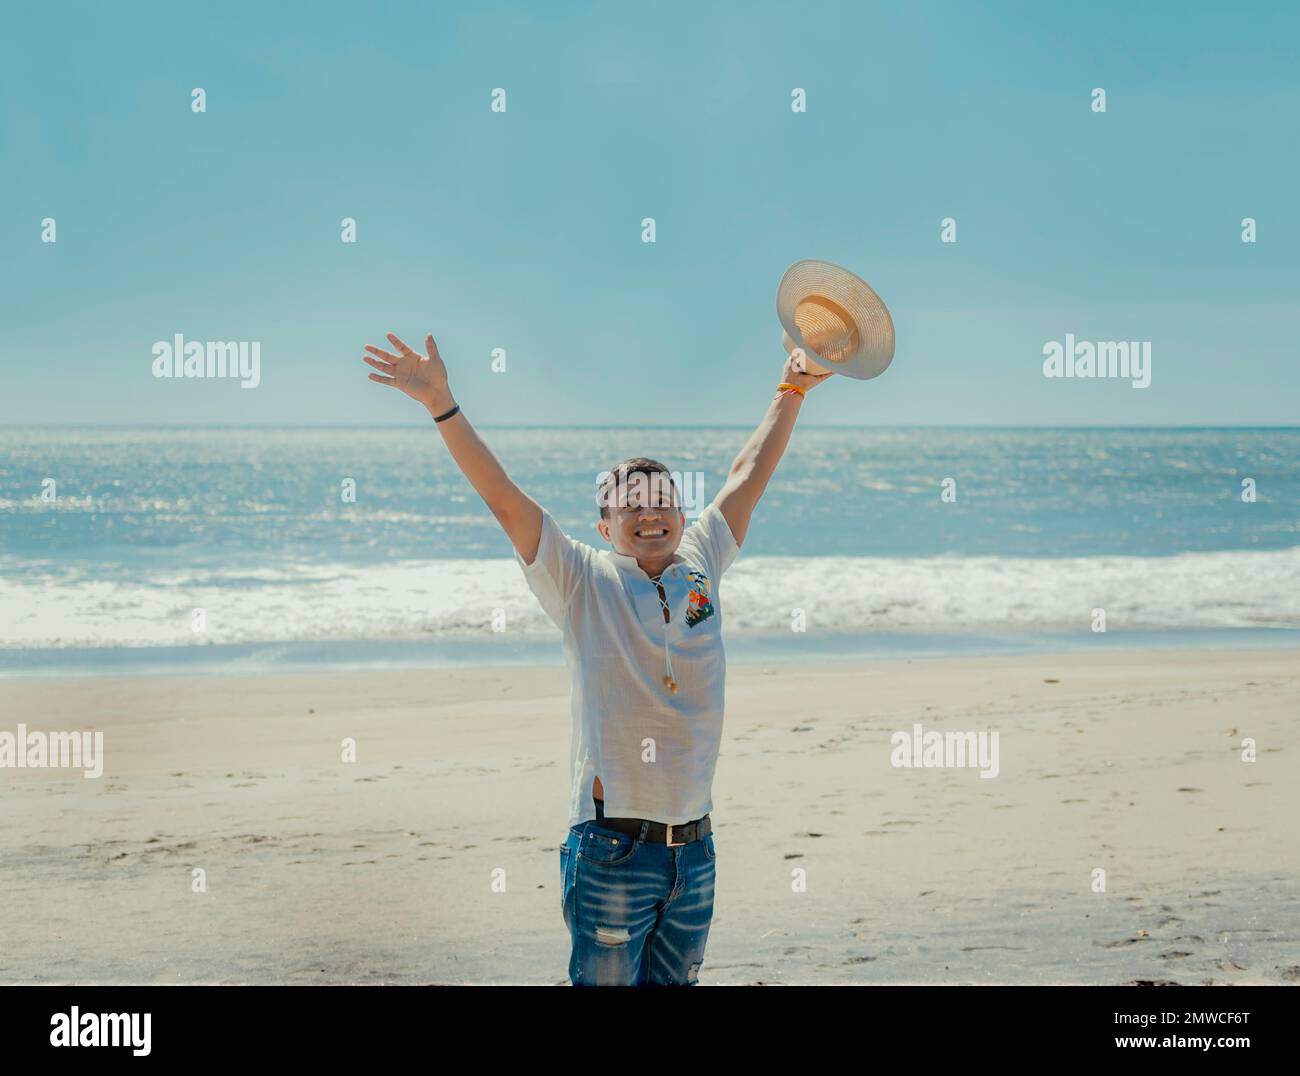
635 465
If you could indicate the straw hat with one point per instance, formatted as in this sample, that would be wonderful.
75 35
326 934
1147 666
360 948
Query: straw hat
836 318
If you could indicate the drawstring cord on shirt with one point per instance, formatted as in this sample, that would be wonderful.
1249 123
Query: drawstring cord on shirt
669 682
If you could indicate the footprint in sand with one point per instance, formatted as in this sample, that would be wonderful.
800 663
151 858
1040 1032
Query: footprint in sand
980 948
1227 964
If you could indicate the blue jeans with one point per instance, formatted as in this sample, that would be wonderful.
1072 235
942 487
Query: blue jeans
638 913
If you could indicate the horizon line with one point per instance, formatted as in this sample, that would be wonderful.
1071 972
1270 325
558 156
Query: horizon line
658 426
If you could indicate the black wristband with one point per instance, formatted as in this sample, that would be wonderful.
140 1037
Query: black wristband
439 418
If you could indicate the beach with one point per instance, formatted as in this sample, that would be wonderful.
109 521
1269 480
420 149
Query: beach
433 857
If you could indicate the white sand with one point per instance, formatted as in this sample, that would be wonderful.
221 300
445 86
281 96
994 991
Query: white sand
382 870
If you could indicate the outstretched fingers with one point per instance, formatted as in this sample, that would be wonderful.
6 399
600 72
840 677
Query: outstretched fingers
380 353
389 364
406 351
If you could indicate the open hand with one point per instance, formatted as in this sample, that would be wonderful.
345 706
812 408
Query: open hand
421 377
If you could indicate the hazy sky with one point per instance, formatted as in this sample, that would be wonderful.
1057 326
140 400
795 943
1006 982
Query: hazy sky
522 230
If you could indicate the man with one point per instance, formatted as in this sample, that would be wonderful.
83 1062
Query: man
642 637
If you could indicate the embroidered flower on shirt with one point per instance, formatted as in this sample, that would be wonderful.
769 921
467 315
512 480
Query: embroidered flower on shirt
699 606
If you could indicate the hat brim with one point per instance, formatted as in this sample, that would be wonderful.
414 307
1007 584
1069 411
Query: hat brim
836 318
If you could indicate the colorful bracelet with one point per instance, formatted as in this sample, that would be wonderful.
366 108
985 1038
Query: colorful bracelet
787 385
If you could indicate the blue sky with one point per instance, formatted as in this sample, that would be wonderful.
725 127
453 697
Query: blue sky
522 230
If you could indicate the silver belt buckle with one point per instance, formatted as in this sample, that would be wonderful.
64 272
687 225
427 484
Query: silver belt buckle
669 841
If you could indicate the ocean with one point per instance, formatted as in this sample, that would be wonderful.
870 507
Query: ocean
365 547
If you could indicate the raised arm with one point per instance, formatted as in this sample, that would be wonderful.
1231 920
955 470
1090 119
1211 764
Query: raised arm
757 461
424 378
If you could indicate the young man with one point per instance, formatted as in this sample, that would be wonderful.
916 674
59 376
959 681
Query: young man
642 637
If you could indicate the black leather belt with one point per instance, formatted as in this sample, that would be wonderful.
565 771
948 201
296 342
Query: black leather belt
673 835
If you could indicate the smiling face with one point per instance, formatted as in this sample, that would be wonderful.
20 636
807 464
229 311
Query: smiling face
640 514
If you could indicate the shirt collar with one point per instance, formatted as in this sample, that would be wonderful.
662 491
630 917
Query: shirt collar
629 564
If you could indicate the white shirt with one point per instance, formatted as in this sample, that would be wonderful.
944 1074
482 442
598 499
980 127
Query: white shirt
654 751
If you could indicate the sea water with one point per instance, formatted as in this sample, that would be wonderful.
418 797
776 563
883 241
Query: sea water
241 549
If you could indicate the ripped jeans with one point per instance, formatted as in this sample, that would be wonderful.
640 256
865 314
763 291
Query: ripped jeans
638 913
